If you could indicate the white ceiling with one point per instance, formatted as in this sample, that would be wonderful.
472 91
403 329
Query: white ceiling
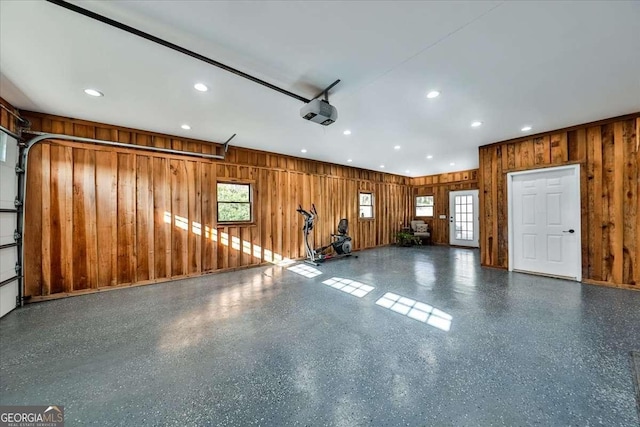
507 64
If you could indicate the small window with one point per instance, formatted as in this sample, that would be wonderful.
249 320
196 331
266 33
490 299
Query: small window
366 205
424 206
234 202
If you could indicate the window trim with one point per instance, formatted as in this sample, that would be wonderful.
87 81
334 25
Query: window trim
373 204
415 207
251 202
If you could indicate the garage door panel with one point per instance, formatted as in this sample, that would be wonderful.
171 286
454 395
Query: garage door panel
8 177
8 225
8 259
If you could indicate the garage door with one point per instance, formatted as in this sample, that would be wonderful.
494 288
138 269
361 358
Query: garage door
9 278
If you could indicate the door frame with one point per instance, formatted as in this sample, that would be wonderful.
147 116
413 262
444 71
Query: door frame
576 168
476 218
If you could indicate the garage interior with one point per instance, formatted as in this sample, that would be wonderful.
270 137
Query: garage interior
178 159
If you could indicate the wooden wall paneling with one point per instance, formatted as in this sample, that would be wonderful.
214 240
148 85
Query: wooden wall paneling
559 148
180 220
194 217
594 140
541 150
126 218
145 223
209 257
608 206
61 219
107 217
630 201
163 218
608 154
637 247
37 257
85 249
616 206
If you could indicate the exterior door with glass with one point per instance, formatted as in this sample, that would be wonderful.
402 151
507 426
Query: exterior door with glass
464 222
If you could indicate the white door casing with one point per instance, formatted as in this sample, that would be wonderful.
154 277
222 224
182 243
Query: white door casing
464 219
544 221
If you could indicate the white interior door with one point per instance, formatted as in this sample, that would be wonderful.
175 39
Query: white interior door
544 221
8 223
464 220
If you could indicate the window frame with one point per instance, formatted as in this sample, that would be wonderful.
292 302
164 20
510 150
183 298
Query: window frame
432 205
373 202
251 202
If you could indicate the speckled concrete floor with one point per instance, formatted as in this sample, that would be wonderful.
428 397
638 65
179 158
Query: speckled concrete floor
267 346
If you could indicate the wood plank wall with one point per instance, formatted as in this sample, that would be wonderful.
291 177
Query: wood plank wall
439 186
609 155
99 217
7 120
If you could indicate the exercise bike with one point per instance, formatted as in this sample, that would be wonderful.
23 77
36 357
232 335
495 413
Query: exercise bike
341 243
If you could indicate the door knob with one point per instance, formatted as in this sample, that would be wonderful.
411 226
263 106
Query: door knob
569 231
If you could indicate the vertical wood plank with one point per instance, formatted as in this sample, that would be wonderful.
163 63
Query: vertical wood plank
107 217
126 218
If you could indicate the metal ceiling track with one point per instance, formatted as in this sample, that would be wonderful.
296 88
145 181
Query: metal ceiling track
162 42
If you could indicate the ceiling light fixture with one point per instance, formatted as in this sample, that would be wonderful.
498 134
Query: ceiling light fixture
304 150
382 166
407 171
200 87
347 132
349 160
93 92
185 127
433 94
396 147
429 157
526 129
452 164
476 124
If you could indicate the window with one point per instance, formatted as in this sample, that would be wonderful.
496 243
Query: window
424 206
366 205
234 202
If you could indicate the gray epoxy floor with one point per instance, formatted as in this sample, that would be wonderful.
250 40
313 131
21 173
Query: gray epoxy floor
266 346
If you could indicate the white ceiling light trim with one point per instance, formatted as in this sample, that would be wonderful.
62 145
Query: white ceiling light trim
93 92
433 94
476 124
526 129
347 132
201 87
185 126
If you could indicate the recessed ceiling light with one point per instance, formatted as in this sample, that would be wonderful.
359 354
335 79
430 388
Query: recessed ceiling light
526 128
349 160
407 171
201 87
476 124
452 164
304 150
433 94
185 127
429 156
347 132
382 166
93 92
396 147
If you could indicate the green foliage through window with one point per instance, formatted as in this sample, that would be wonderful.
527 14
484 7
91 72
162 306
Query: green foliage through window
424 206
234 202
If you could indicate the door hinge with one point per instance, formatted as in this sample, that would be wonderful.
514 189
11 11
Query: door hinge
16 236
